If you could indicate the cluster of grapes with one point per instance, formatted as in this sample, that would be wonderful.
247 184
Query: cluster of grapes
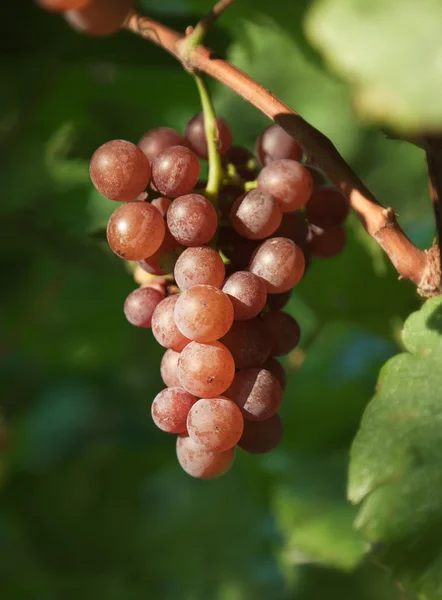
216 277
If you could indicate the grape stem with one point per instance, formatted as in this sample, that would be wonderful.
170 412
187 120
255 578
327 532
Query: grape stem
196 36
216 171
417 265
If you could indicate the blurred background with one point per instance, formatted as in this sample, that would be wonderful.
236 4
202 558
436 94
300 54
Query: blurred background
93 504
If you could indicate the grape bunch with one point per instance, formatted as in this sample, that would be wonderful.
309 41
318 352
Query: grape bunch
215 276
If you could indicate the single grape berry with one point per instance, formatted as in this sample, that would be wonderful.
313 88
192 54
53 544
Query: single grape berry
162 204
284 331
256 215
288 181
192 220
326 208
260 437
62 5
164 329
276 368
247 293
249 343
100 17
206 370
140 304
201 265
170 409
280 262
175 171
203 313
198 462
156 140
196 135
278 301
216 424
119 170
329 243
257 393
275 143
135 230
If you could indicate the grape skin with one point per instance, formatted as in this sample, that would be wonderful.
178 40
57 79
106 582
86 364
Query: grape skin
175 171
100 17
278 301
288 181
192 220
169 368
62 5
119 170
280 263
249 343
156 140
215 423
329 243
196 135
200 463
170 409
257 393
201 265
327 208
276 368
140 304
164 328
256 215
203 313
275 143
206 370
260 437
247 293
162 204
135 230
284 331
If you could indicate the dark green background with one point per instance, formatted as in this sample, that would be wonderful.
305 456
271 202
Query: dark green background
93 504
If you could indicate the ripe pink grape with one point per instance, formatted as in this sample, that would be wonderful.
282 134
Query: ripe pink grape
62 5
175 171
201 265
216 424
329 243
247 293
156 140
198 462
256 215
192 220
284 331
276 368
327 207
163 325
162 204
288 181
169 368
280 262
140 304
195 133
170 409
119 170
100 17
249 343
275 143
257 393
203 313
135 230
260 437
206 370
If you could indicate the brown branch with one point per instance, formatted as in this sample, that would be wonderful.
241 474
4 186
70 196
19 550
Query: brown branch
410 262
206 22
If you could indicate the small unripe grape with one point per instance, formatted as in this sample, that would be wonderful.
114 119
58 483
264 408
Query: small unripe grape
201 265
169 368
198 462
216 424
260 437
206 370
100 17
196 134
170 409
140 304
175 171
119 170
156 140
256 215
203 313
192 220
135 230
288 181
164 328
257 393
247 293
275 143
284 331
280 262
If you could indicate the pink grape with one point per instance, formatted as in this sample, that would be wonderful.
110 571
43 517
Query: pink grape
192 220
169 368
198 462
140 304
278 301
260 437
288 181
164 328
280 262
257 393
275 143
175 171
100 17
196 134
256 215
206 370
201 265
162 204
284 331
327 208
156 140
249 343
216 424
276 368
329 243
170 409
247 293
62 5
203 313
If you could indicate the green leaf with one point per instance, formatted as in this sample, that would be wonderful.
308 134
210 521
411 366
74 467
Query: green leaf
396 464
390 52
